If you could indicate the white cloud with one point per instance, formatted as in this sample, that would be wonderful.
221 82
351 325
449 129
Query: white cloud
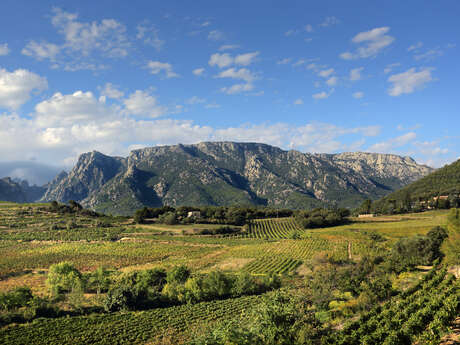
409 81
4 50
299 62
67 110
308 28
389 68
298 101
329 21
242 73
221 60
111 91
81 41
355 74
429 55
393 143
198 71
326 73
215 35
143 103
372 42
225 59
195 100
332 81
16 87
108 36
415 46
284 61
149 34
228 47
237 88
358 94
245 59
430 148
322 95
156 67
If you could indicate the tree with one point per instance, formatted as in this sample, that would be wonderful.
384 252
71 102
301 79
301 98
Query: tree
178 274
63 277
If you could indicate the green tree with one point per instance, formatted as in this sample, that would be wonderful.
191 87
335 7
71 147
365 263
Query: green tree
63 277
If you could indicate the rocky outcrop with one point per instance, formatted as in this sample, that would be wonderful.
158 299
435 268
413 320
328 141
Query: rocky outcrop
226 173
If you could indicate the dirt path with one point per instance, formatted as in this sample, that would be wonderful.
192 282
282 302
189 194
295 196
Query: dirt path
350 257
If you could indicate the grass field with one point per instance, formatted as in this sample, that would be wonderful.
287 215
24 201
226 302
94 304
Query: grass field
32 239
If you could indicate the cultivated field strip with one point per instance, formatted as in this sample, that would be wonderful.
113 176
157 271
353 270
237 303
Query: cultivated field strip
128 328
278 228
272 265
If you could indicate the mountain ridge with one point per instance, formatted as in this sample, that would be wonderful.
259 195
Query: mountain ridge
224 173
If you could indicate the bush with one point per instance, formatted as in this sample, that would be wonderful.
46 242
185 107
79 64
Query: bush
178 274
17 298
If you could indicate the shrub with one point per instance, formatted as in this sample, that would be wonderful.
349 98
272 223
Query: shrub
63 277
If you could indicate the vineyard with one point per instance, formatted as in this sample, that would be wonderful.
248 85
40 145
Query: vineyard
273 228
127 328
272 265
421 313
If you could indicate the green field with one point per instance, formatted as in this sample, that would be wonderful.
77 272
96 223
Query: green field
32 239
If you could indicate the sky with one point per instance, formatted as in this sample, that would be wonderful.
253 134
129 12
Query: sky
314 76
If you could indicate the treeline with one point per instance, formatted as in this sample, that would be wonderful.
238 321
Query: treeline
138 290
321 218
208 214
72 207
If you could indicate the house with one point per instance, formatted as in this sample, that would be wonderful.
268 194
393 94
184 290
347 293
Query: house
196 214
367 215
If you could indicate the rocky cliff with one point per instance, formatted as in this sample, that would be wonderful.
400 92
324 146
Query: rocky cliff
226 173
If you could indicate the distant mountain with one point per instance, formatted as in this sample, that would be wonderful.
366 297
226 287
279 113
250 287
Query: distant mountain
443 182
228 173
19 191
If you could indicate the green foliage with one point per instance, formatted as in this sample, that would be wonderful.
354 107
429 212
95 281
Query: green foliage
320 218
63 277
279 320
19 297
178 274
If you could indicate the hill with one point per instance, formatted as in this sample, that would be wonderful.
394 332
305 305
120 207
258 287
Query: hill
227 173
19 191
443 183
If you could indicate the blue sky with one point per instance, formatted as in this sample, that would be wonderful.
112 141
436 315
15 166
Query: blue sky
316 76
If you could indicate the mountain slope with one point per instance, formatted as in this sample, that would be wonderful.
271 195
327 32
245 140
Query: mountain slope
444 181
226 173
21 192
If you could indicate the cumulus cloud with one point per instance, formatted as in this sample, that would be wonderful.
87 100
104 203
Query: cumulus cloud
355 74
308 28
237 88
4 50
81 40
429 54
195 100
326 73
358 94
111 91
329 21
41 51
332 81
66 110
143 103
242 73
198 71
16 87
322 95
225 59
409 81
156 67
371 43
393 143
150 35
